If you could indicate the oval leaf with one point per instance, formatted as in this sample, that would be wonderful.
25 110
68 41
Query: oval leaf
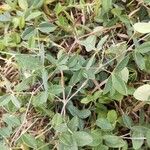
114 141
83 138
47 27
27 33
23 4
104 124
29 140
142 27
33 15
119 84
137 139
142 93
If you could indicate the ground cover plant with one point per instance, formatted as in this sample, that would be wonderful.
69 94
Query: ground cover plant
74 74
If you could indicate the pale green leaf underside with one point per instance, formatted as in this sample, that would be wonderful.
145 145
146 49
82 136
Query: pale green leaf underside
142 27
142 93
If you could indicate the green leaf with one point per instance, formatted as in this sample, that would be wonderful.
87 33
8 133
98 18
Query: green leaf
5 17
143 48
142 27
59 8
147 1
119 84
29 140
112 116
42 145
117 11
114 141
147 63
51 59
67 142
28 32
87 99
142 93
82 138
57 119
125 74
76 77
84 113
11 120
15 101
61 127
16 38
55 89
5 132
127 121
24 85
101 147
3 146
23 4
33 15
66 139
88 74
90 62
40 99
122 64
63 22
62 67
21 22
72 62
47 27
45 78
115 96
97 137
74 123
101 42
139 59
32 42
64 147
108 86
104 124
28 62
62 58
107 5
137 139
35 3
89 43
4 100
148 137
91 98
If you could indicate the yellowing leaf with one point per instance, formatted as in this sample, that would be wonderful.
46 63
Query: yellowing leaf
5 7
142 27
49 1
23 4
142 93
